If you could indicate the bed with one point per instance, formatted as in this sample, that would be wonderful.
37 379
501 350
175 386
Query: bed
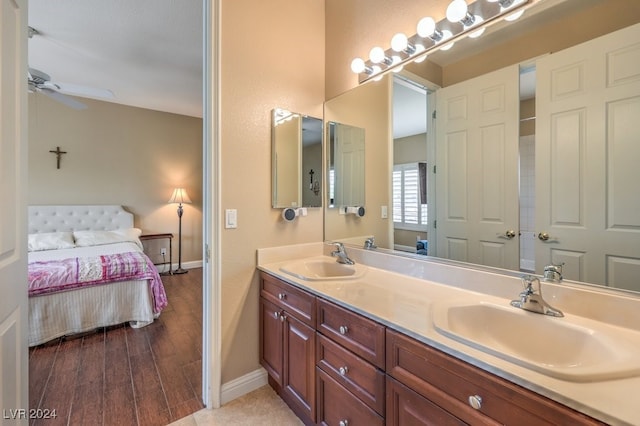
87 270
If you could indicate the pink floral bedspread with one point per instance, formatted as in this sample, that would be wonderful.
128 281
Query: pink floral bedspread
59 275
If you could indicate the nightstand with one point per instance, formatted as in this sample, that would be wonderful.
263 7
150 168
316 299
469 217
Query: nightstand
150 237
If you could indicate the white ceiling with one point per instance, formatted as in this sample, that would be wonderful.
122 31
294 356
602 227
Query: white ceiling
147 52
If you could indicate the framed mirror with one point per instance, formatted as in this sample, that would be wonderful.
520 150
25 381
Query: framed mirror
296 142
568 189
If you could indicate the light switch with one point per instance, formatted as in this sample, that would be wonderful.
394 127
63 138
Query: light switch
231 218
384 212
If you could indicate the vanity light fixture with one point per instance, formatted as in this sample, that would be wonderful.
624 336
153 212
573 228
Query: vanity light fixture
462 20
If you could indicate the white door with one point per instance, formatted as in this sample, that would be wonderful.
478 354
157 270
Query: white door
588 160
13 229
477 170
349 189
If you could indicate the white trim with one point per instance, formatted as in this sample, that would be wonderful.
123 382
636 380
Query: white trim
243 385
211 312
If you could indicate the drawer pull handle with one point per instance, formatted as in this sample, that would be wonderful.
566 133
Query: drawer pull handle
276 315
344 422
343 329
282 296
283 317
475 401
344 370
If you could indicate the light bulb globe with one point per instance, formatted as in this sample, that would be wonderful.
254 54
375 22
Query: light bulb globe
426 27
399 42
376 55
457 10
358 65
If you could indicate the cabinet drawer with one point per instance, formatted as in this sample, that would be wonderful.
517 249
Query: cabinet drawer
355 332
450 383
295 301
336 405
405 407
358 376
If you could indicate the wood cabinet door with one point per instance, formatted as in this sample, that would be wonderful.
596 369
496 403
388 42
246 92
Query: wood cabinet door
299 379
405 407
271 340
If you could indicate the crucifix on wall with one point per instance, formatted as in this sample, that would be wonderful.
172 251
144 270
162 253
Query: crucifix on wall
58 154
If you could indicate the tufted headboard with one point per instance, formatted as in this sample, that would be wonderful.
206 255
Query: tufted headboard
78 218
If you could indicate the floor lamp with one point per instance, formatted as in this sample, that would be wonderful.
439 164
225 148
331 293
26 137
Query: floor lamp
179 196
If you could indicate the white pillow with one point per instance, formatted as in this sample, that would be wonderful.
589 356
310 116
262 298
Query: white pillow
96 238
50 241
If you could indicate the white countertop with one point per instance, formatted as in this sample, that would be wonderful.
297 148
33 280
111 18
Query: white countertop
403 302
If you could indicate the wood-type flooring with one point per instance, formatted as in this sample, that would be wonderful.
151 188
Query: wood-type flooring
124 376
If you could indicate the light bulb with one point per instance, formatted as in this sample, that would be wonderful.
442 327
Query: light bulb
358 65
396 60
426 27
477 21
457 10
419 50
477 33
399 42
376 55
448 46
514 15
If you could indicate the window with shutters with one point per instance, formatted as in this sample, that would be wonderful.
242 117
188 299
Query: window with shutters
409 197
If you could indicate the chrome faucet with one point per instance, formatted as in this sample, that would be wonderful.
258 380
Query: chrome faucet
370 243
341 254
553 273
531 298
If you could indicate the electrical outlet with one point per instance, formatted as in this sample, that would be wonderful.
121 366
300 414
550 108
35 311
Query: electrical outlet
163 251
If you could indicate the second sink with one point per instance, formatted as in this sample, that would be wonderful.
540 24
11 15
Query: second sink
576 350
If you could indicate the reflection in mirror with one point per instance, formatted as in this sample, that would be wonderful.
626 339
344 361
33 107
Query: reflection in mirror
346 165
366 108
296 160
550 147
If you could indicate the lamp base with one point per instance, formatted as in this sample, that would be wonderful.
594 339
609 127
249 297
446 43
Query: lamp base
180 271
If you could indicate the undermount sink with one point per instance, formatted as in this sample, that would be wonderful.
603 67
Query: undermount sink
575 349
323 268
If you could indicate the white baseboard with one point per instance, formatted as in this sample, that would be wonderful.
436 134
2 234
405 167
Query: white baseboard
243 385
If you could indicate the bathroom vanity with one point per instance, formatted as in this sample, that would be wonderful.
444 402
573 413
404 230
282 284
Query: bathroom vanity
362 345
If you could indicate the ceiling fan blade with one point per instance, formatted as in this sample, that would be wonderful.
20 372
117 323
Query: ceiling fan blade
63 99
84 91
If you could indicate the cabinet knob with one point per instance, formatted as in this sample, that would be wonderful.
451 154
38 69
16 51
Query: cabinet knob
475 401
276 315
343 423
343 370
282 296
282 317
343 329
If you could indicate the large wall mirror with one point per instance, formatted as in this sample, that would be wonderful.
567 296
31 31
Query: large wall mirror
296 160
536 182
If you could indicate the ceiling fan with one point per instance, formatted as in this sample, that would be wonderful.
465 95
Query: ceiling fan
41 82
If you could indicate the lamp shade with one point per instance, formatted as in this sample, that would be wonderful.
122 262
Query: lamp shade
179 196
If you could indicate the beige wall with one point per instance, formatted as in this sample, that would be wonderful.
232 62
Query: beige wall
119 155
272 55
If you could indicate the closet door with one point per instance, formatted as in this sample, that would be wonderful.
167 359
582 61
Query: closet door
587 160
477 170
13 228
